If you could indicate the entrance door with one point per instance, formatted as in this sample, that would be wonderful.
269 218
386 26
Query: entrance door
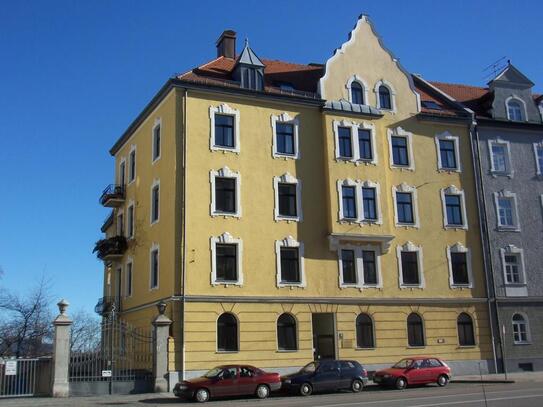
324 335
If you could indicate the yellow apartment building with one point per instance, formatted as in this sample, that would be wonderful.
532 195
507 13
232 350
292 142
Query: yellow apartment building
287 212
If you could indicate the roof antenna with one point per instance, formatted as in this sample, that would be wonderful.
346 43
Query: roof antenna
492 70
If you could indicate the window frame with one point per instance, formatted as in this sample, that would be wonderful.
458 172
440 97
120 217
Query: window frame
392 93
129 278
367 184
120 226
359 266
511 250
459 248
287 119
423 325
130 220
400 132
237 333
226 238
287 178
289 242
359 201
357 79
355 148
155 247
512 197
154 185
157 125
447 136
132 175
410 247
373 338
522 104
404 188
508 164
453 190
296 337
538 166
224 109
121 176
526 323
225 172
473 330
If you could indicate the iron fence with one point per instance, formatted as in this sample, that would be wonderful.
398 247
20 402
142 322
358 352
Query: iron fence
24 377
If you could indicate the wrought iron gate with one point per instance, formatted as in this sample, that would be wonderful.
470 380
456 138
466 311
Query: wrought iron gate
24 377
120 361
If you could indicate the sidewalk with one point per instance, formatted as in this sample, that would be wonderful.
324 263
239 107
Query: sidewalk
519 377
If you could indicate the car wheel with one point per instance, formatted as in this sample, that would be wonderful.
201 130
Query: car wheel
306 389
357 386
442 380
201 395
262 391
401 383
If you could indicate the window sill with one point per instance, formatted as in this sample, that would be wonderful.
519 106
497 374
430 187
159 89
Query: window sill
285 156
366 162
225 149
501 174
290 285
227 351
508 228
467 346
416 346
279 218
456 227
418 287
407 225
521 343
515 284
226 214
402 167
363 349
227 283
286 351
449 170
155 222
461 286
155 160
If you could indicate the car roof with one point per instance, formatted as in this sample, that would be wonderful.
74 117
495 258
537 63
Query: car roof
232 365
421 357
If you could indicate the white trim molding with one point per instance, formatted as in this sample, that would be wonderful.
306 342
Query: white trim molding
121 179
156 182
132 205
289 241
348 183
539 169
508 165
225 172
526 323
523 113
514 289
512 197
154 246
226 238
362 83
157 124
359 266
459 248
392 91
287 178
410 247
404 188
225 110
287 119
355 148
453 190
400 132
447 136
129 277
132 177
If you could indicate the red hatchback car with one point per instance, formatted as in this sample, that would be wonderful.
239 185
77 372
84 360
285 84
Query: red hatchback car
229 380
414 370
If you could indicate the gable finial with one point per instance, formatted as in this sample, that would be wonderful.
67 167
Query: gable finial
246 42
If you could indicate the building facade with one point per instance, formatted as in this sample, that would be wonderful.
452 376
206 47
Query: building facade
289 212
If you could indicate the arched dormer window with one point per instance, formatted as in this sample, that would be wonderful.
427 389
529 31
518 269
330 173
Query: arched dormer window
385 101
357 93
516 109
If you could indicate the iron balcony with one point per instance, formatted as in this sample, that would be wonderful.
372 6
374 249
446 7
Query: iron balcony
111 248
112 196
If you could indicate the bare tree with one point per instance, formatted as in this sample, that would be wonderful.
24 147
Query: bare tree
25 322
86 332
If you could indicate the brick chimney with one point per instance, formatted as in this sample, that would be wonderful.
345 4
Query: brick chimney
226 44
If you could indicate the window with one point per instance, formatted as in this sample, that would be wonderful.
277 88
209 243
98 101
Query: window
506 210
156 140
466 335
128 291
120 224
514 110
130 214
154 267
290 263
370 268
286 332
369 203
122 173
459 266
224 131
415 330
410 266
349 202
345 142
357 93
410 271
448 152
155 202
365 149
285 136
385 101
454 210
224 128
538 150
348 267
132 165
512 268
404 205
227 333
225 195
288 205
226 255
499 157
520 329
364 332
399 151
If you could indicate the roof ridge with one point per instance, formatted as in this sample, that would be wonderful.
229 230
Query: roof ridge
460 84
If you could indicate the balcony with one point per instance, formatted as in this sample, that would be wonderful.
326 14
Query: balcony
107 305
112 196
111 248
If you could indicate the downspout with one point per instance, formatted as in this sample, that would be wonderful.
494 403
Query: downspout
487 253
184 227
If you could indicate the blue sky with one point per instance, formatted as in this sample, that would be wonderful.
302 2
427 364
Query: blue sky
74 74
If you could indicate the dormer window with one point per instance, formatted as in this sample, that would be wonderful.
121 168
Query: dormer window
357 94
514 110
384 98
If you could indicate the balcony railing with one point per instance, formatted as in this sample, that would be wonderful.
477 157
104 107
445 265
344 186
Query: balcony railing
110 248
112 196
106 305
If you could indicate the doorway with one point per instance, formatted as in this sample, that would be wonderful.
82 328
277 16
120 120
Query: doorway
324 335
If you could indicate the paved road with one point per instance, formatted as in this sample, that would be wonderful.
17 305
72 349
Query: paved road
529 394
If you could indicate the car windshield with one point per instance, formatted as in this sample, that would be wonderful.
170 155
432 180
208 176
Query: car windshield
213 372
403 364
309 368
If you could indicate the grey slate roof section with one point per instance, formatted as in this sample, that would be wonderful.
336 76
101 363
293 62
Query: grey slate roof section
343 105
248 56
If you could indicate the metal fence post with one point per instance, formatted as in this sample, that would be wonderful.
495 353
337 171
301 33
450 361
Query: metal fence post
161 334
61 352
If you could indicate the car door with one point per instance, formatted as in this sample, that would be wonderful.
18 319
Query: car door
415 372
327 376
347 372
247 380
227 382
434 368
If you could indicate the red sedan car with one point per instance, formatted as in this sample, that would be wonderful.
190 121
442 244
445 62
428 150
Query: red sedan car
414 370
229 380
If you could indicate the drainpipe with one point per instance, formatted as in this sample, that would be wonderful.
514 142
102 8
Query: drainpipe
184 228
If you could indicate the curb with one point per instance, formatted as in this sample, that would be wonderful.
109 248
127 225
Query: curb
483 381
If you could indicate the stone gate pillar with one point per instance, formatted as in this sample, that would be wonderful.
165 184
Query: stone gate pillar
61 352
161 327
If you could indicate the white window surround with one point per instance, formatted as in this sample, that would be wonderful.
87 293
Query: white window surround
354 141
226 238
127 282
348 183
132 205
120 226
453 190
359 266
516 220
447 136
539 170
225 172
527 326
122 168
158 123
410 247
392 95
362 83
226 110
287 178
285 118
459 248
513 250
156 182
359 200
132 150
400 132
404 188
522 103
509 168
154 246
289 241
